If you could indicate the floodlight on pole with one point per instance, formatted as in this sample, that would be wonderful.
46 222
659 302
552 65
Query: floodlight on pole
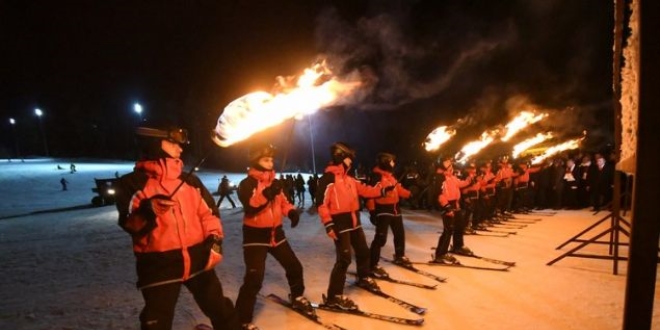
311 137
137 107
39 114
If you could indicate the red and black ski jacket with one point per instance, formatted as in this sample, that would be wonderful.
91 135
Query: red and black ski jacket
175 246
388 204
262 220
338 198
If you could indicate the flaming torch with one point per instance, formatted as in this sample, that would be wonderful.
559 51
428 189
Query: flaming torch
316 88
472 148
437 137
522 146
568 145
521 121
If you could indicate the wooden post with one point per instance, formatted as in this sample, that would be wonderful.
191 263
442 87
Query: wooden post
642 268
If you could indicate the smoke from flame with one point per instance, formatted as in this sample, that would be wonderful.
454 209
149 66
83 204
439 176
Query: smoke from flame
316 88
524 145
437 137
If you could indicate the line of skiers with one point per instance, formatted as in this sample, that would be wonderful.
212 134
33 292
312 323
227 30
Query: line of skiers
177 233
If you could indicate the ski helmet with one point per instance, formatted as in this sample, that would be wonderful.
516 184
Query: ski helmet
261 151
384 160
148 139
340 151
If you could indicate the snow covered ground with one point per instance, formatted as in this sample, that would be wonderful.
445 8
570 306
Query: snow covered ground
69 266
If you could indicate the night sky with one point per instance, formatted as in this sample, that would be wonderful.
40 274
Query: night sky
472 64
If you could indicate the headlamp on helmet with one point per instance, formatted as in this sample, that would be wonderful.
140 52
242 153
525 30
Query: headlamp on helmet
174 135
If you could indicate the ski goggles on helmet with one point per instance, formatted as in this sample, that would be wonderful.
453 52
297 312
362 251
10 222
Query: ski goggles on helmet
175 135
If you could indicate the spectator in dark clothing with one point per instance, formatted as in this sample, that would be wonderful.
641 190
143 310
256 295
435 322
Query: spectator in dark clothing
312 184
299 183
225 191
571 183
543 187
602 177
584 179
557 172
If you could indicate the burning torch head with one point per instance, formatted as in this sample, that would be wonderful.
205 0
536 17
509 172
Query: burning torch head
385 161
340 151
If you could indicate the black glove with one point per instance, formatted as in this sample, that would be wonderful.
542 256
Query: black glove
387 189
149 208
446 209
213 242
295 218
329 227
273 190
372 217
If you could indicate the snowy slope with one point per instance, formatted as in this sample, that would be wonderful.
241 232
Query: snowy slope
74 269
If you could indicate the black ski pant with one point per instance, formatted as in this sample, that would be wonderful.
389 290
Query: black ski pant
254 257
453 227
384 221
233 205
345 240
159 303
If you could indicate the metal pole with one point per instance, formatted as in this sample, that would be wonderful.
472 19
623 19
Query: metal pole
43 134
311 138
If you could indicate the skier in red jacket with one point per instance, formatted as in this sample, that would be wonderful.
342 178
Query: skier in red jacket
339 209
176 231
265 205
385 213
452 216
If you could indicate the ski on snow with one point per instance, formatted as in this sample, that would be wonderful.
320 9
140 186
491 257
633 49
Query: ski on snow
359 312
461 265
404 304
417 270
491 260
398 281
314 318
498 231
487 233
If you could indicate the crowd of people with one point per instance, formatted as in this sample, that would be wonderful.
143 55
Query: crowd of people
177 232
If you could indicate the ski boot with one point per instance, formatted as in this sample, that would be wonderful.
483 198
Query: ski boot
463 251
249 326
446 259
402 261
339 302
302 304
469 231
368 283
378 272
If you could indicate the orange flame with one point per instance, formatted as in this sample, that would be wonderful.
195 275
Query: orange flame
568 145
437 137
521 121
472 148
316 88
522 146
